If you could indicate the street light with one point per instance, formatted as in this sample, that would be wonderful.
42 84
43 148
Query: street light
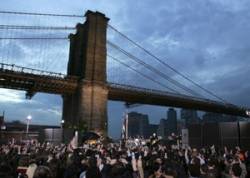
29 117
62 122
3 127
248 113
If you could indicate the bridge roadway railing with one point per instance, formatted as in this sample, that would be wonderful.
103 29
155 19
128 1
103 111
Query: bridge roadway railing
165 93
33 80
41 73
28 70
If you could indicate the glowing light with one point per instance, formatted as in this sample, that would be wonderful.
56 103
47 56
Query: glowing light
29 117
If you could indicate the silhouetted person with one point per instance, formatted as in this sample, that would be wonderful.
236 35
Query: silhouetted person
236 171
42 172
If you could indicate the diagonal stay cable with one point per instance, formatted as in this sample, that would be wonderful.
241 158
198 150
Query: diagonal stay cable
167 65
153 69
142 74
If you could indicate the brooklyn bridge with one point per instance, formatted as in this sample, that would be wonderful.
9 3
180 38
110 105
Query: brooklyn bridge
85 89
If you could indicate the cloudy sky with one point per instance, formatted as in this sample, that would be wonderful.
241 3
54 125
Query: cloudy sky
206 40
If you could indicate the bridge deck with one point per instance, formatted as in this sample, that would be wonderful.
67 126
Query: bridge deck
155 97
20 78
33 81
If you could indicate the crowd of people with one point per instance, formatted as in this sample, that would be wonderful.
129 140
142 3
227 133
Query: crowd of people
135 158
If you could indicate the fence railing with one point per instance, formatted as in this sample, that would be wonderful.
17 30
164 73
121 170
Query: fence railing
16 68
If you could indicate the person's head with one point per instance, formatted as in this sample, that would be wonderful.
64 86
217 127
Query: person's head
5 168
158 160
194 152
236 170
211 163
22 176
194 170
204 169
196 161
93 172
157 169
117 170
42 172
92 162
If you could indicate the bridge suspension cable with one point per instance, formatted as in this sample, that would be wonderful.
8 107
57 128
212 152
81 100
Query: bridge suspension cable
36 41
23 27
167 65
40 14
142 74
35 38
153 69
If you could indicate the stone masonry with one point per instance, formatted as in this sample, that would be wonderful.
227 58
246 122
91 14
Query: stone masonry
87 60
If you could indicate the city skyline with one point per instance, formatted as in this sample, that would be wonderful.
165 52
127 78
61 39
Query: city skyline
215 49
138 124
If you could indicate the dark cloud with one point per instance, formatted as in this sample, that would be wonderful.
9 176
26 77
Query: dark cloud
233 86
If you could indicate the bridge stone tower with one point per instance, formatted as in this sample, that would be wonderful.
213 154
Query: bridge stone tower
87 60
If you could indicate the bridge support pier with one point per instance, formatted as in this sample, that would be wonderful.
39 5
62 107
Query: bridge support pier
87 61
93 106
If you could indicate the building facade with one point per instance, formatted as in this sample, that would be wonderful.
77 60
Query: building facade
189 117
172 121
169 125
209 117
162 128
138 125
